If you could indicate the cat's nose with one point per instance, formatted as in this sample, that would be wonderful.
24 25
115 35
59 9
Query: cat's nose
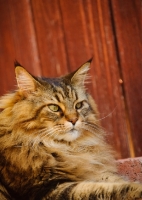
73 120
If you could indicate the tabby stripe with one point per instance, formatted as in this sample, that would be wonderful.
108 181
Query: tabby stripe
94 196
61 92
70 92
4 194
125 190
5 133
50 190
65 193
75 95
35 116
57 97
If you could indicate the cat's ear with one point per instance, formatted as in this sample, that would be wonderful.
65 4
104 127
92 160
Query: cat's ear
80 76
25 81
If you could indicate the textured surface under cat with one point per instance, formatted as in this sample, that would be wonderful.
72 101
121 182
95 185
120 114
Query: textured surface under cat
131 167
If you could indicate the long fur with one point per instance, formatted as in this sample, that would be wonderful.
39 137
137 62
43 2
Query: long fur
56 155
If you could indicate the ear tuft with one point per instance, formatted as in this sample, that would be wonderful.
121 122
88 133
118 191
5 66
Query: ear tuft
81 74
25 81
16 63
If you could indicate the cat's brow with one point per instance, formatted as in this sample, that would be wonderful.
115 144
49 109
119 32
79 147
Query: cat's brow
71 93
75 95
57 98
60 96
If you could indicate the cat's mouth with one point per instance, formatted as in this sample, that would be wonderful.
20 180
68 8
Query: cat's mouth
73 131
72 134
69 133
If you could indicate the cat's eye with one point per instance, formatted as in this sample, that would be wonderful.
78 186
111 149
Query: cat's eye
54 107
79 105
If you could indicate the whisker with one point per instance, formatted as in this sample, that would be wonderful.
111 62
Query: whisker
43 133
53 133
93 129
94 126
107 115
49 133
40 131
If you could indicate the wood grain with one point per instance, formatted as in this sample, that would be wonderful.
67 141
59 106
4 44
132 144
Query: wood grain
17 41
50 37
128 32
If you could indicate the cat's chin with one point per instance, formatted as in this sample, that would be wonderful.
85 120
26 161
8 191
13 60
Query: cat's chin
71 135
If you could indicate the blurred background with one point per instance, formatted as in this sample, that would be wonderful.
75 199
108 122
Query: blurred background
53 37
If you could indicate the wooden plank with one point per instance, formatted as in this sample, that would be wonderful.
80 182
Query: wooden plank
76 34
112 75
127 21
50 37
17 39
88 31
6 50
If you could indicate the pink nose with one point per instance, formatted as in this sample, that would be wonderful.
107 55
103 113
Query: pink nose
73 120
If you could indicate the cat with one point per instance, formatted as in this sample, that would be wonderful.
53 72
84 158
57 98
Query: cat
52 146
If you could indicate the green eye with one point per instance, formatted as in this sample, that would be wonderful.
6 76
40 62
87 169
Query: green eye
79 105
54 107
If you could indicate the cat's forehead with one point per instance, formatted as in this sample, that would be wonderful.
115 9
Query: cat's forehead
63 91
66 93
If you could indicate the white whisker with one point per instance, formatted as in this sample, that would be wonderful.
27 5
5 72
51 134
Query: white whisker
44 133
49 133
107 115
93 128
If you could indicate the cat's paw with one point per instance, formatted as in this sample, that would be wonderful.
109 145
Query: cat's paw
131 191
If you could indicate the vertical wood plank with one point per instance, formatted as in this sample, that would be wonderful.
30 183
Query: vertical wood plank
17 39
6 49
76 36
50 37
127 22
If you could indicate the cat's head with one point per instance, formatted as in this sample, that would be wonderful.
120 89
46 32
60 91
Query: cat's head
58 108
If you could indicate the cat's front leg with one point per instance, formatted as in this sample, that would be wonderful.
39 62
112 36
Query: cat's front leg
96 191
4 194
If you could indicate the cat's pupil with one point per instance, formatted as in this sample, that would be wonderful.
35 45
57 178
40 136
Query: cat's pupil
54 107
78 105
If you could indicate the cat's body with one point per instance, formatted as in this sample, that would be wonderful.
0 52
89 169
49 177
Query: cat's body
51 144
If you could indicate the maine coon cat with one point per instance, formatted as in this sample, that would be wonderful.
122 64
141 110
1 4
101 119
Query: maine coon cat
52 146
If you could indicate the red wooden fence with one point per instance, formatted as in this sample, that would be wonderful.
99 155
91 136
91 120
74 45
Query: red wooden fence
54 37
